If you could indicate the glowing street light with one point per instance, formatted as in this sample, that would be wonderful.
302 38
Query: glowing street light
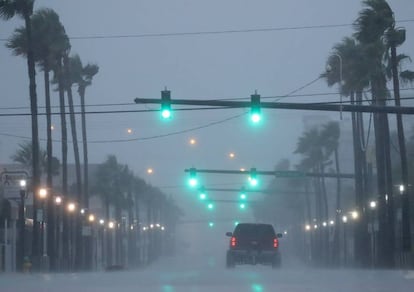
331 222
91 218
101 221
373 204
354 215
111 225
307 227
71 207
58 200
42 193
344 219
23 183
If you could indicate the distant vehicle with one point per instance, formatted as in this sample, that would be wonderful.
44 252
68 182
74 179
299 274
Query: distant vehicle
253 243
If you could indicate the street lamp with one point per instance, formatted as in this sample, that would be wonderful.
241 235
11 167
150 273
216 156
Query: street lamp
71 207
354 215
42 193
373 204
91 218
43 196
22 222
58 200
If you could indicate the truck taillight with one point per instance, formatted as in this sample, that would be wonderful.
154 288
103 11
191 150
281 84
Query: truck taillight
233 242
275 243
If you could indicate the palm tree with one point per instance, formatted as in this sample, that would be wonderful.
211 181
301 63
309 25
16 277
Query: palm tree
24 9
355 79
395 37
85 80
370 26
49 39
71 72
24 156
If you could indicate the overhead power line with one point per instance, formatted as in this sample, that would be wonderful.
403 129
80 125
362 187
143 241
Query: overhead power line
214 32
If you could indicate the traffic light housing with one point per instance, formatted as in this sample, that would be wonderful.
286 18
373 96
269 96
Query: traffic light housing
193 181
243 195
203 194
166 104
253 181
210 206
255 110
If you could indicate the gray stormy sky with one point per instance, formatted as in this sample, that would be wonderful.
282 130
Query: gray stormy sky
197 66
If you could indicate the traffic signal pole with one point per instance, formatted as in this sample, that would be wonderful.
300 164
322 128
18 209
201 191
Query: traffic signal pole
286 105
286 174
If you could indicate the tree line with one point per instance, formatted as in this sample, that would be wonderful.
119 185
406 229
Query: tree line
366 63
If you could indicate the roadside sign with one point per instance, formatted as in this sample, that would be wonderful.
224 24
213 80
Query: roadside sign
10 181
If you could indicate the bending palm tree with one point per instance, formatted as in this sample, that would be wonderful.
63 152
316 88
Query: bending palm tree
24 9
84 81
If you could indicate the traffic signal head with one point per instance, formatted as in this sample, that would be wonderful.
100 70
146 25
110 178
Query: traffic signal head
166 104
210 206
242 206
203 194
210 224
243 195
253 178
255 111
193 181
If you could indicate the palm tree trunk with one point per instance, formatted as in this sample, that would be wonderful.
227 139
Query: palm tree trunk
74 134
85 149
50 205
406 236
360 245
35 133
78 223
66 221
386 245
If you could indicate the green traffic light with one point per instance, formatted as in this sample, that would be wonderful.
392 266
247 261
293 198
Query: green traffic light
255 117
236 223
193 181
211 224
253 181
203 194
243 197
166 113
166 104
210 206
242 206
255 111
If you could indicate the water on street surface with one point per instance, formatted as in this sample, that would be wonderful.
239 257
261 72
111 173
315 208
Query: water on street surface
192 272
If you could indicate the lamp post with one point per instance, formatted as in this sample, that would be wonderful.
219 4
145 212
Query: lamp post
71 208
22 224
58 229
43 194
345 220
373 207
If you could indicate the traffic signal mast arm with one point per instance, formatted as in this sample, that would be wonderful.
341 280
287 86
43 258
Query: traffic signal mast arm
291 173
286 105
